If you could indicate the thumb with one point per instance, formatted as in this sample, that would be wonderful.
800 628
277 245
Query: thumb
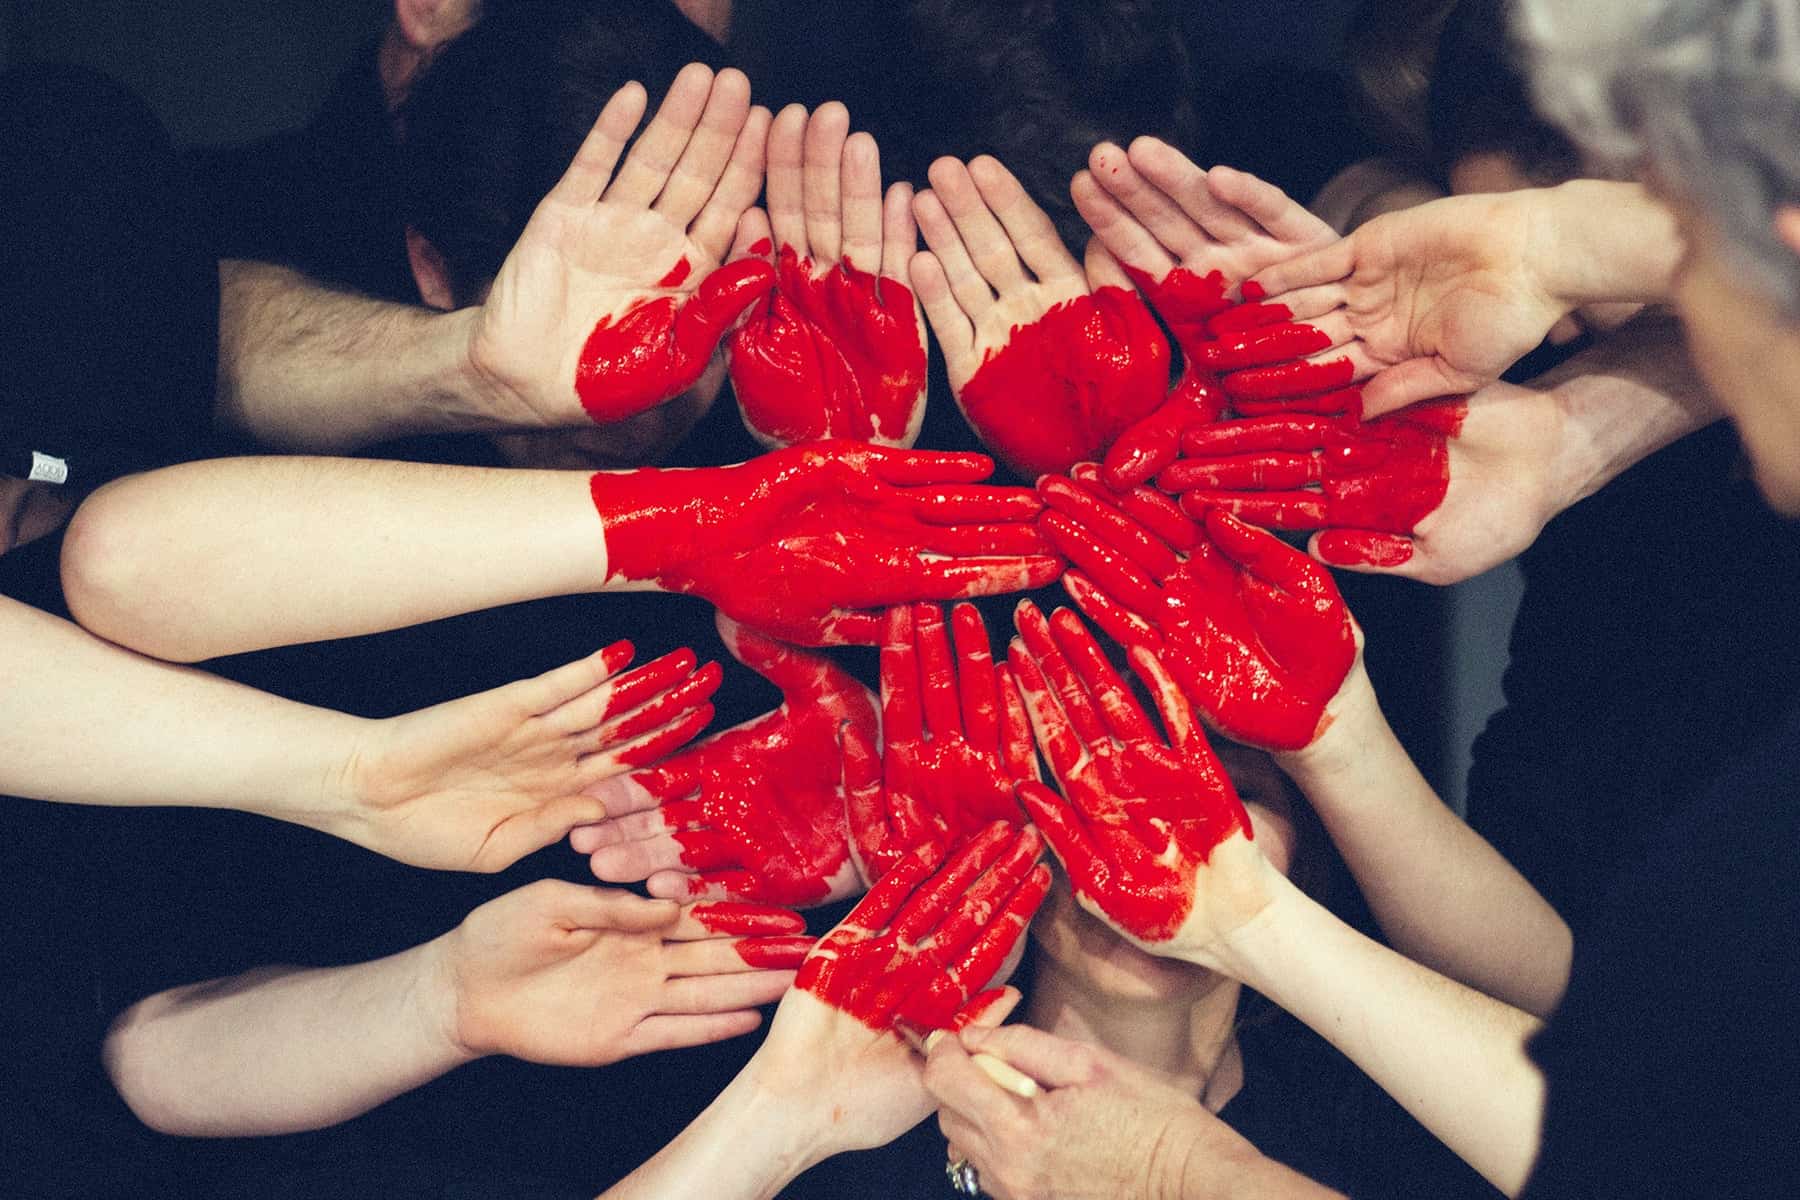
525 832
1362 550
1412 381
723 297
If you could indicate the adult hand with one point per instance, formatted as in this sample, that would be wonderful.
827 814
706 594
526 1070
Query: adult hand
1099 1127
478 783
572 975
755 812
808 544
613 300
1154 839
1047 370
1255 631
1187 238
955 741
837 349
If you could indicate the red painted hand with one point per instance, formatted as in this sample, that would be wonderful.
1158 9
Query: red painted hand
1255 631
769 937
1368 484
753 813
924 940
1143 817
806 543
955 741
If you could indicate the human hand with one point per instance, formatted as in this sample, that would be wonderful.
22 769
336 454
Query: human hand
1187 239
478 783
955 740
808 544
1099 1127
613 300
1255 631
837 349
1047 370
754 813
1151 833
570 975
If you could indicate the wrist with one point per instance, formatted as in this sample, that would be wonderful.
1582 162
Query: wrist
439 1005
1606 241
1353 724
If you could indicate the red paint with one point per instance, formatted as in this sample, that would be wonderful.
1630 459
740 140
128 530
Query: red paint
1313 472
1255 631
1143 814
835 353
761 246
656 707
1062 388
657 347
1187 303
1260 347
956 742
809 543
731 916
924 940
758 810
676 274
775 953
676 734
1288 379
1352 548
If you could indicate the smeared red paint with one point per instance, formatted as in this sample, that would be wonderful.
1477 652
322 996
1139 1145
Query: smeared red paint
1259 347
1315 472
1255 631
758 810
956 741
1288 379
1143 814
653 708
734 916
775 953
807 543
1065 386
658 346
921 943
676 274
1353 548
1187 303
761 246
836 353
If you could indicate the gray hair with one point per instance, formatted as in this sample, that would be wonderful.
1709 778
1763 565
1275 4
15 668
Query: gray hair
1705 91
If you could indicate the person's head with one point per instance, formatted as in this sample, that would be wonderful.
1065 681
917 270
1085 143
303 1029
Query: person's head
1704 95
1390 46
489 129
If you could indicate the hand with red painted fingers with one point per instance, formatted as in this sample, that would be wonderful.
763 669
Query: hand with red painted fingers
1100 1126
837 349
1187 238
955 741
573 975
478 783
753 813
1255 631
1151 833
614 301
811 543
1047 370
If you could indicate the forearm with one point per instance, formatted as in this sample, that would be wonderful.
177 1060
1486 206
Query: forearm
86 722
1605 241
304 367
1453 1057
231 555
1442 895
281 1049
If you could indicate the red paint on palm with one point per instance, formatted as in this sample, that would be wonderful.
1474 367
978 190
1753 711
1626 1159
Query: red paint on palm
1062 388
807 543
955 742
837 353
1139 816
1313 472
757 810
657 347
1187 302
1255 631
924 940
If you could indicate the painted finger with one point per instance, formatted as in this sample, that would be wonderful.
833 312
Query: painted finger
661 708
902 703
1266 345
1065 828
1034 629
1296 432
978 690
1101 518
1149 507
1055 735
1247 472
980 903
876 910
905 468
1018 754
728 885
1360 550
1120 709
733 956
929 903
652 746
963 579
1172 705
1270 510
725 918
937 672
1126 582
1267 556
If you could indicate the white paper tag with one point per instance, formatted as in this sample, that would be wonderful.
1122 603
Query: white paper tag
45 469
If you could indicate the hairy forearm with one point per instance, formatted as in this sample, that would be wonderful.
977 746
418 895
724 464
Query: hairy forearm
1442 895
86 722
231 555
304 367
742 1147
1453 1057
284 1049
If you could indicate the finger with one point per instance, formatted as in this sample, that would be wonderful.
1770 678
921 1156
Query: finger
968 1099
1123 716
753 239
543 694
798 674
723 886
658 743
731 956
653 1035
1099 518
1328 371
873 837
1152 208
876 909
723 993
637 860
525 832
653 156
938 896
902 705
861 214
1249 472
1345 402
785 186
979 691
962 579
1018 756
584 906
726 918
1360 550
1145 505
634 688
942 310
968 287
1102 269
670 707
1034 630
1272 343
592 166
1171 703
1172 173
1270 510
936 672
709 148
1123 580
647 789
821 180
1120 624
1053 1061
732 199
983 904
1281 217
1065 828
1115 227
1327 264
1266 556
899 233
1062 748
1027 227
991 252
1412 382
